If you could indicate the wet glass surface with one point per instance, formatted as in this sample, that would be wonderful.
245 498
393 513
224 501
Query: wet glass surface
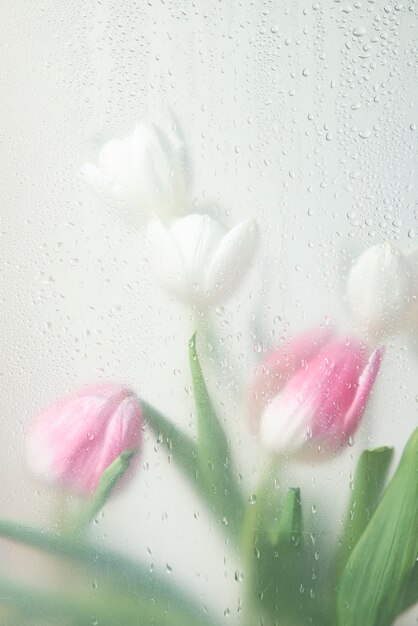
292 127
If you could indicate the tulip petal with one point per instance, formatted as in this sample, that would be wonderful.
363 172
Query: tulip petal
380 287
277 368
96 179
193 252
322 402
198 236
112 158
231 259
145 171
75 439
150 158
167 260
365 385
285 424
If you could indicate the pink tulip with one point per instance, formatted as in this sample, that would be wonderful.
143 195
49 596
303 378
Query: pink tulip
310 394
75 439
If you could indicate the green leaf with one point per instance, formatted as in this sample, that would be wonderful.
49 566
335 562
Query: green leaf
84 608
369 481
377 575
213 452
205 464
131 594
411 592
108 482
182 449
289 529
271 544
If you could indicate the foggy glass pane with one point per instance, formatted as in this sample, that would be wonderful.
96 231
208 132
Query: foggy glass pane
209 281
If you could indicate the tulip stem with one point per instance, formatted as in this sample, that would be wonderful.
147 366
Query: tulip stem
249 531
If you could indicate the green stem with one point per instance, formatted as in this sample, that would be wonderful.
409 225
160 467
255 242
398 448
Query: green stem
248 538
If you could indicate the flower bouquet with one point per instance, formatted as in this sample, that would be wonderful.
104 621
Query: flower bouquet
305 401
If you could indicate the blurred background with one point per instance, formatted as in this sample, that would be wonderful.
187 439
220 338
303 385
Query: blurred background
302 115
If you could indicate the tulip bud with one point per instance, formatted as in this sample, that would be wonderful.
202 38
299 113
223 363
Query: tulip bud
197 259
380 289
276 369
75 439
145 171
320 405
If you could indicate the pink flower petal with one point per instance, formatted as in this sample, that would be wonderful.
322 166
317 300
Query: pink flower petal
364 388
77 438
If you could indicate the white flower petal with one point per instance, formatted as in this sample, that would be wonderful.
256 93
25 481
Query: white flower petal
231 259
284 425
198 237
167 260
195 253
111 158
96 179
380 287
144 170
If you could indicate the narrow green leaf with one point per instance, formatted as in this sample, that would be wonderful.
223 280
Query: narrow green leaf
180 446
286 582
86 607
411 592
213 445
277 552
369 481
127 580
377 575
52 607
108 482
213 453
289 528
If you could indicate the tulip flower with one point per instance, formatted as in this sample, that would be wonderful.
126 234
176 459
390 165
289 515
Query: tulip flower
380 290
197 259
312 393
75 439
145 171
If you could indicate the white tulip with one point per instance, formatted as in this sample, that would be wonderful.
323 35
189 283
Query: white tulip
197 259
380 289
144 171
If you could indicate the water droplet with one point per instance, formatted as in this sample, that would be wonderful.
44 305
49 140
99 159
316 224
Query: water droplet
239 576
359 31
